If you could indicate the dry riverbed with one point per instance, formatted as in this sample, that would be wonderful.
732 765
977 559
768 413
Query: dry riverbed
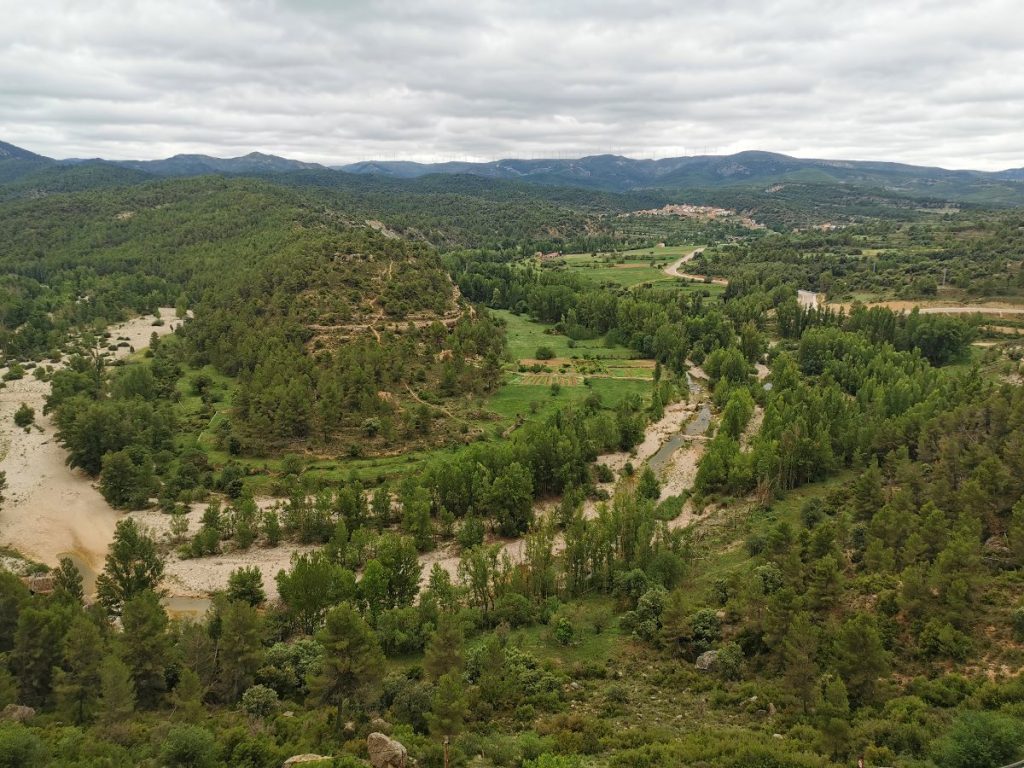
50 509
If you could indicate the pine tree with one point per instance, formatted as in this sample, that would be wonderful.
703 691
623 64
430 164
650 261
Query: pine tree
835 716
648 486
117 692
352 662
444 651
448 705
380 508
240 648
861 658
799 649
867 492
38 650
133 566
146 646
312 586
77 682
67 582
373 588
187 696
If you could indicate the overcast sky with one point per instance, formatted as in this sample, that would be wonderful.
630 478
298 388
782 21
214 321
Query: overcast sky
923 81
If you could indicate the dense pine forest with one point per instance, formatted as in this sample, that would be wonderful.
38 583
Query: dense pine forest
450 403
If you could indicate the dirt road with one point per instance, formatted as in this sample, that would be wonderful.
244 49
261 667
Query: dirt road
673 269
991 308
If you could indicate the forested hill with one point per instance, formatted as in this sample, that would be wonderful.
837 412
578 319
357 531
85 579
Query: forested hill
323 319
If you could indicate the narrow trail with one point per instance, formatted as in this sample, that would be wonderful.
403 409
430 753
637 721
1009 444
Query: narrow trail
441 408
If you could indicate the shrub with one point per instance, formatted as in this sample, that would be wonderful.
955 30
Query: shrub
980 740
259 701
24 416
20 748
189 746
729 662
1017 622
544 353
563 631
942 639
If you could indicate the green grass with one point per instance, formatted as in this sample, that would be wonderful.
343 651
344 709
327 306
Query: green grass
588 646
630 268
525 336
725 544
530 401
521 396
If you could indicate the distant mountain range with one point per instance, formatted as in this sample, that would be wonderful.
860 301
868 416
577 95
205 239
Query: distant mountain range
616 173
24 170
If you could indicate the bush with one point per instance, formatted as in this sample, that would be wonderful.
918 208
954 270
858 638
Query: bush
1017 622
980 740
942 639
14 373
544 353
189 746
24 416
563 631
729 662
515 609
20 748
548 760
259 701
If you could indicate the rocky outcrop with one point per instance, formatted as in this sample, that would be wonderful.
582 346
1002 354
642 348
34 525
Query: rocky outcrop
17 713
385 752
39 584
706 661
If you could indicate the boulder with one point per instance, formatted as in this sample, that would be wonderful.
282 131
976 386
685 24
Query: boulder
385 752
706 660
17 713
299 759
381 725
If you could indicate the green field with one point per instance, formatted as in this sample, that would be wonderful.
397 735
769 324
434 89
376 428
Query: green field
630 268
530 395
525 336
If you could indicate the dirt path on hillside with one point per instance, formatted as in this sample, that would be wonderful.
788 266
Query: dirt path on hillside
50 509
673 269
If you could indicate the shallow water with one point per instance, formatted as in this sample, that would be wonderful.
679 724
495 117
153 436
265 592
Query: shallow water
696 426
177 606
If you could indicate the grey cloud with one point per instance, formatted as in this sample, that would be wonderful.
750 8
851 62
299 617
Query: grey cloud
925 81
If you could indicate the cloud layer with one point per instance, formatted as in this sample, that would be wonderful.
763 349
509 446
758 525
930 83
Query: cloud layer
921 81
